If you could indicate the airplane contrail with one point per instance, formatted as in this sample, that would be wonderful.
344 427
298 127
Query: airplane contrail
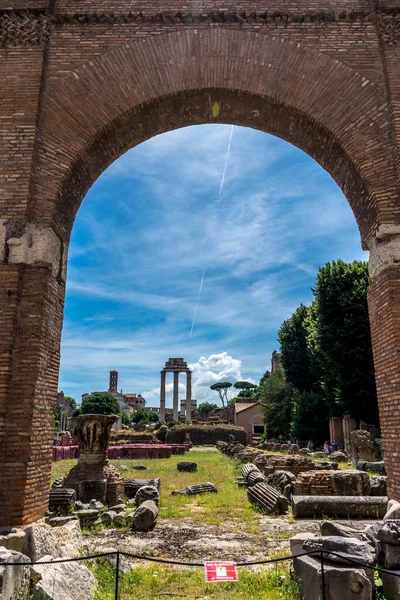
226 162
197 303
219 195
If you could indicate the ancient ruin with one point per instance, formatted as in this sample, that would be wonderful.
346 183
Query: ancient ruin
176 366
83 82
93 476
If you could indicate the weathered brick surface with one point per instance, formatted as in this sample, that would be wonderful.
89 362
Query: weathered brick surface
84 81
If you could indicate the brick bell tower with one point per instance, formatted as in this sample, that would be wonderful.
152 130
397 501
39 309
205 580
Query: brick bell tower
113 381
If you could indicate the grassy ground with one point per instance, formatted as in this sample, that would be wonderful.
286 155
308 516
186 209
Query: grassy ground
229 507
161 581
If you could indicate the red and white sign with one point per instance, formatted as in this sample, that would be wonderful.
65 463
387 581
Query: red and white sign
220 571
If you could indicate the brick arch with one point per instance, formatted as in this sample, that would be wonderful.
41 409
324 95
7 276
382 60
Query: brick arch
140 89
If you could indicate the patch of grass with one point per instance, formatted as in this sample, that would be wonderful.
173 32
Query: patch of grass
159 581
229 507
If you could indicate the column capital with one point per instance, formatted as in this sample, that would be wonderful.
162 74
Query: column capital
384 248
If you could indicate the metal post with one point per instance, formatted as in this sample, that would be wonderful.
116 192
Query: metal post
117 578
323 576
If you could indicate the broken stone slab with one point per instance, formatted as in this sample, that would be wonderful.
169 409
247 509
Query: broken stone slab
393 511
338 456
377 466
296 542
378 485
363 507
62 500
139 468
337 529
323 466
391 585
281 479
80 505
341 582
96 504
187 467
351 483
389 555
388 532
147 492
14 580
59 521
131 486
59 581
13 539
194 490
59 542
145 516
107 517
339 549
267 498
117 508
87 517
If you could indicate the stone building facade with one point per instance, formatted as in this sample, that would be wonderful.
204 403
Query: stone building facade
84 81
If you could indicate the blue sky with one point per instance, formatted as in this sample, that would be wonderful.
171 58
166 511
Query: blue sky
253 212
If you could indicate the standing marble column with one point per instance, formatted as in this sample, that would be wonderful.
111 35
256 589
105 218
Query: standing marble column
176 392
162 397
188 396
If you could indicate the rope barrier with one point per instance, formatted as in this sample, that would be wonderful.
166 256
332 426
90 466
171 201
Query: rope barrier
318 552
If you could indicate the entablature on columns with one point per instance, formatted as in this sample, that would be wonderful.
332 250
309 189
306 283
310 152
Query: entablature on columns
176 365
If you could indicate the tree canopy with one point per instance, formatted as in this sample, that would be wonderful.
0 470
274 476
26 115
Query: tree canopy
222 388
100 404
327 352
205 408
276 395
71 401
141 415
296 359
342 339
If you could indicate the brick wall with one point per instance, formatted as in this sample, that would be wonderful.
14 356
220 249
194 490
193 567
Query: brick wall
84 81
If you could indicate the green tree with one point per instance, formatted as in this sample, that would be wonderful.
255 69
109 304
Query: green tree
100 404
310 417
205 408
276 395
141 415
72 403
246 389
296 354
222 388
340 338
